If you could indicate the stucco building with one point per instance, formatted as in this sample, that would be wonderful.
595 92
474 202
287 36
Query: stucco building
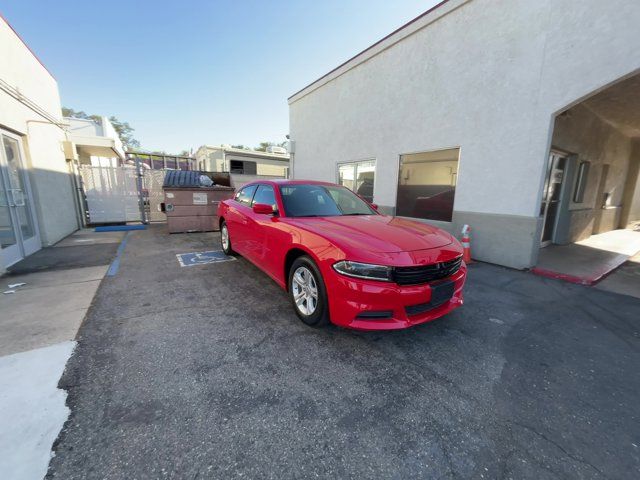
519 118
37 200
224 158
93 142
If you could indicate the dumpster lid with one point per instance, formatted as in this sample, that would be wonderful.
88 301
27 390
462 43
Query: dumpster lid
182 179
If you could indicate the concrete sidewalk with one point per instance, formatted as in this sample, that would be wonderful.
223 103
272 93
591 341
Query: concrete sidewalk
588 261
38 325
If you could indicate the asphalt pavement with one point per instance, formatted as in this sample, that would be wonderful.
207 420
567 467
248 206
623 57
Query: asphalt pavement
205 372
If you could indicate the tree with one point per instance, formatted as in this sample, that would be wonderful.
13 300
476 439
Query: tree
125 132
123 129
70 112
263 146
241 147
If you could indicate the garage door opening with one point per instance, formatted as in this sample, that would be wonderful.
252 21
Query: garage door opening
590 208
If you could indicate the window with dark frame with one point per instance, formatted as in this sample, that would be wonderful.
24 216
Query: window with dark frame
581 182
427 184
236 166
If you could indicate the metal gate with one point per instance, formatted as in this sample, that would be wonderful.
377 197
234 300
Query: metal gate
111 194
152 181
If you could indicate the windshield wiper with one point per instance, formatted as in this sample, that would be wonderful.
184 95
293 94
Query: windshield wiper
358 213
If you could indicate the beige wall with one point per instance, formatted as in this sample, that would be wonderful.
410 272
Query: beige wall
214 159
271 170
42 142
631 198
582 133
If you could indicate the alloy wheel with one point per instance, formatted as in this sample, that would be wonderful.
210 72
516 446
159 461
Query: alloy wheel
224 238
305 291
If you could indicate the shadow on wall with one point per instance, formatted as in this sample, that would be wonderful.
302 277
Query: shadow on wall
52 205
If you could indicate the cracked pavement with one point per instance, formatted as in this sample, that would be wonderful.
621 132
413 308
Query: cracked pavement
206 372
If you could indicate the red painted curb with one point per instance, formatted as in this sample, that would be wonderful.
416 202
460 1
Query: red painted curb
566 277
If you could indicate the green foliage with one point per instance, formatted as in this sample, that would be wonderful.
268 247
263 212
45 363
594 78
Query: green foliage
264 145
124 130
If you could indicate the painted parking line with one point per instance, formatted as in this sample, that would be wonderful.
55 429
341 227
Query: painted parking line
113 268
202 258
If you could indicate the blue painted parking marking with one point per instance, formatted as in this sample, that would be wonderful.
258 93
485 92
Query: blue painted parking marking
202 258
113 268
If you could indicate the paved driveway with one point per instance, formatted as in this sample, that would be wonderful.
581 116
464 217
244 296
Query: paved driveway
205 372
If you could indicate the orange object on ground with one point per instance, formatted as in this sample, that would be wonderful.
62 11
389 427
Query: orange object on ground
466 244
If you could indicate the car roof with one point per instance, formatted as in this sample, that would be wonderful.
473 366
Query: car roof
286 181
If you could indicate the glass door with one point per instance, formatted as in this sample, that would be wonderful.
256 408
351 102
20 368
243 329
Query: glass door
551 196
18 231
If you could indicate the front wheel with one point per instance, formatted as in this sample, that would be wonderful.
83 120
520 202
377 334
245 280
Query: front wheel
307 292
225 239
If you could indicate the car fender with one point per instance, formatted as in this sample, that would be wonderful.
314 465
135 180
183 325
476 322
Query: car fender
329 254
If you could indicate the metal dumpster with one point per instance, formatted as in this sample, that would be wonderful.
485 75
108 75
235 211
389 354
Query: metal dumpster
189 206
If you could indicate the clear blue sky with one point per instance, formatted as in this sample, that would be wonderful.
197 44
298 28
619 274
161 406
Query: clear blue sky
186 73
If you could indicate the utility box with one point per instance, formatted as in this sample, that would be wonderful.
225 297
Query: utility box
189 206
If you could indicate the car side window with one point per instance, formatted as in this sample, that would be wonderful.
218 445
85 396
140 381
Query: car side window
265 195
245 195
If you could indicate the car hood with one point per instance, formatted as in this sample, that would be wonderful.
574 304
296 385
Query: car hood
375 233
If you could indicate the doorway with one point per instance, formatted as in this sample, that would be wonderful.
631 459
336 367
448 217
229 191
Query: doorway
551 196
19 235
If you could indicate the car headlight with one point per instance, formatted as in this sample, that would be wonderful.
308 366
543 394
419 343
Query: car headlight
363 270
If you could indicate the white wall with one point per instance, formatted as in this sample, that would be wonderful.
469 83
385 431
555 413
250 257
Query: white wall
84 127
42 141
483 75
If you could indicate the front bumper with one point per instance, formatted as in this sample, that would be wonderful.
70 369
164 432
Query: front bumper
350 299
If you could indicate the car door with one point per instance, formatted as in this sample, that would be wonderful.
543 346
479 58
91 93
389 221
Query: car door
237 217
259 226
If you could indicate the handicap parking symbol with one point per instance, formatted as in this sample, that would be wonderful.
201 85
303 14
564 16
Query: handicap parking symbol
202 258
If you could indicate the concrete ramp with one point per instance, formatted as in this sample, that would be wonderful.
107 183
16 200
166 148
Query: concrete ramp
590 260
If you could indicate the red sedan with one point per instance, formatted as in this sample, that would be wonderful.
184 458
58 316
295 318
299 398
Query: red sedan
341 260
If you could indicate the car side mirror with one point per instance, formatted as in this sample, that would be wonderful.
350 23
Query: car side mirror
374 206
263 209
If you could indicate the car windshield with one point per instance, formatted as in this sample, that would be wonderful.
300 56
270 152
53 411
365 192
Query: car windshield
306 200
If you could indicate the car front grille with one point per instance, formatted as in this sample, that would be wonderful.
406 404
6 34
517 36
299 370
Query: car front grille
426 273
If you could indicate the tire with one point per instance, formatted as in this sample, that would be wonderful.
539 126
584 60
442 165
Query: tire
226 247
304 275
